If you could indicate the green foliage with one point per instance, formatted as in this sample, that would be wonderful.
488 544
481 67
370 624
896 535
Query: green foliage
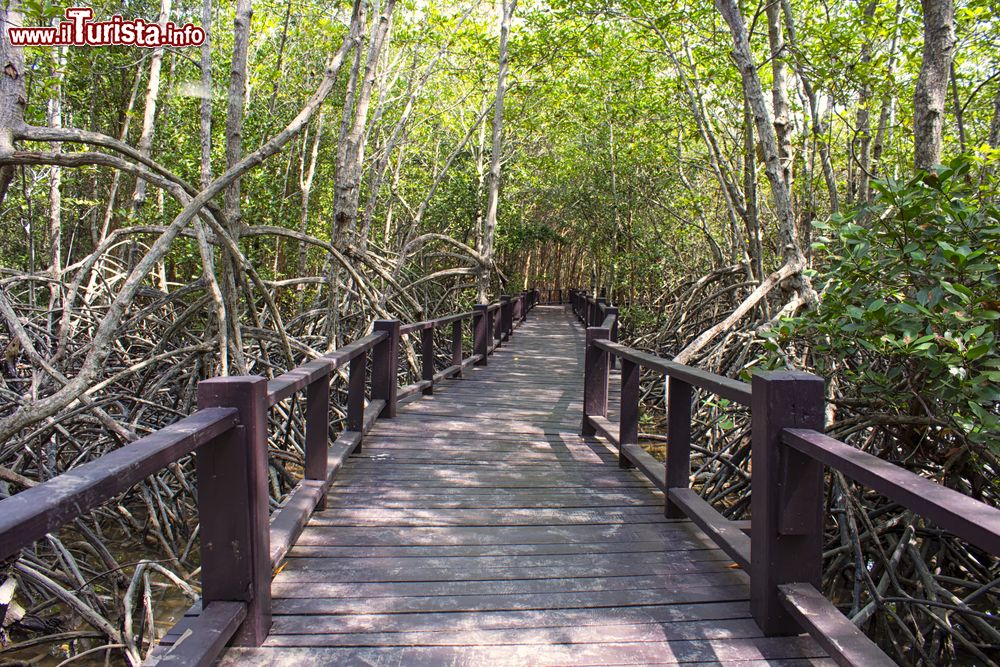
911 301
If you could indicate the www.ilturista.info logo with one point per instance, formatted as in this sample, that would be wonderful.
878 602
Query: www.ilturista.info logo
79 30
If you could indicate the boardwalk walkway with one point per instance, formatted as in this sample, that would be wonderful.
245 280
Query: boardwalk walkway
480 528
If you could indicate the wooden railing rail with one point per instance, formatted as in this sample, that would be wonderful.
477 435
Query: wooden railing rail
241 541
784 553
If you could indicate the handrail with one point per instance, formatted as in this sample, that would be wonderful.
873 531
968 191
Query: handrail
972 520
783 554
241 541
27 516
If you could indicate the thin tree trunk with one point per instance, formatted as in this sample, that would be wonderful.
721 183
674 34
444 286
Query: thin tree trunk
149 111
306 177
206 94
231 198
351 150
932 83
55 179
493 179
13 91
957 106
779 90
788 237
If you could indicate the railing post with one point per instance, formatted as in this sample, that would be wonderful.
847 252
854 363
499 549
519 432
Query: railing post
628 430
497 324
786 542
599 314
595 379
481 333
611 310
317 432
356 395
233 506
506 317
456 346
384 367
427 359
678 459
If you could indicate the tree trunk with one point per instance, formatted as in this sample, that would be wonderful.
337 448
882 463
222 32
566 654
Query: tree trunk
493 178
932 84
206 94
779 90
13 92
351 148
788 237
231 197
149 112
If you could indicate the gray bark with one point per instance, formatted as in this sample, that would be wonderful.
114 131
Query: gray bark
13 95
493 178
932 83
351 148
779 89
788 237
149 113
206 92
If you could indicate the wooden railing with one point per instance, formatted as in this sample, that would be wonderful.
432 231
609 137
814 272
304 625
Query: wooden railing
784 551
241 542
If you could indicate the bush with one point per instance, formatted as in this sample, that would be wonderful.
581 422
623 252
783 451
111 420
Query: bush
910 303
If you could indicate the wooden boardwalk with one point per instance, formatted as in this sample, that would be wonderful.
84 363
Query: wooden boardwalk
480 528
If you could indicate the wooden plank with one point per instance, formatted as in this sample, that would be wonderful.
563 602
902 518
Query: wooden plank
406 605
727 534
27 516
287 522
296 589
649 632
500 620
285 385
204 638
956 512
715 652
846 644
647 464
734 390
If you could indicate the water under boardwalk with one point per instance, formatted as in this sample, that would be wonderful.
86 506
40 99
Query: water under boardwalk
480 528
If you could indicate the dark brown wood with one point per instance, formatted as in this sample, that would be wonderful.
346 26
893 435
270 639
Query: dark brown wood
427 359
605 428
595 379
506 317
727 534
385 365
285 385
456 346
288 520
233 506
957 513
844 641
317 430
481 334
27 516
784 480
204 639
678 461
733 390
628 430
497 325
356 394
647 464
